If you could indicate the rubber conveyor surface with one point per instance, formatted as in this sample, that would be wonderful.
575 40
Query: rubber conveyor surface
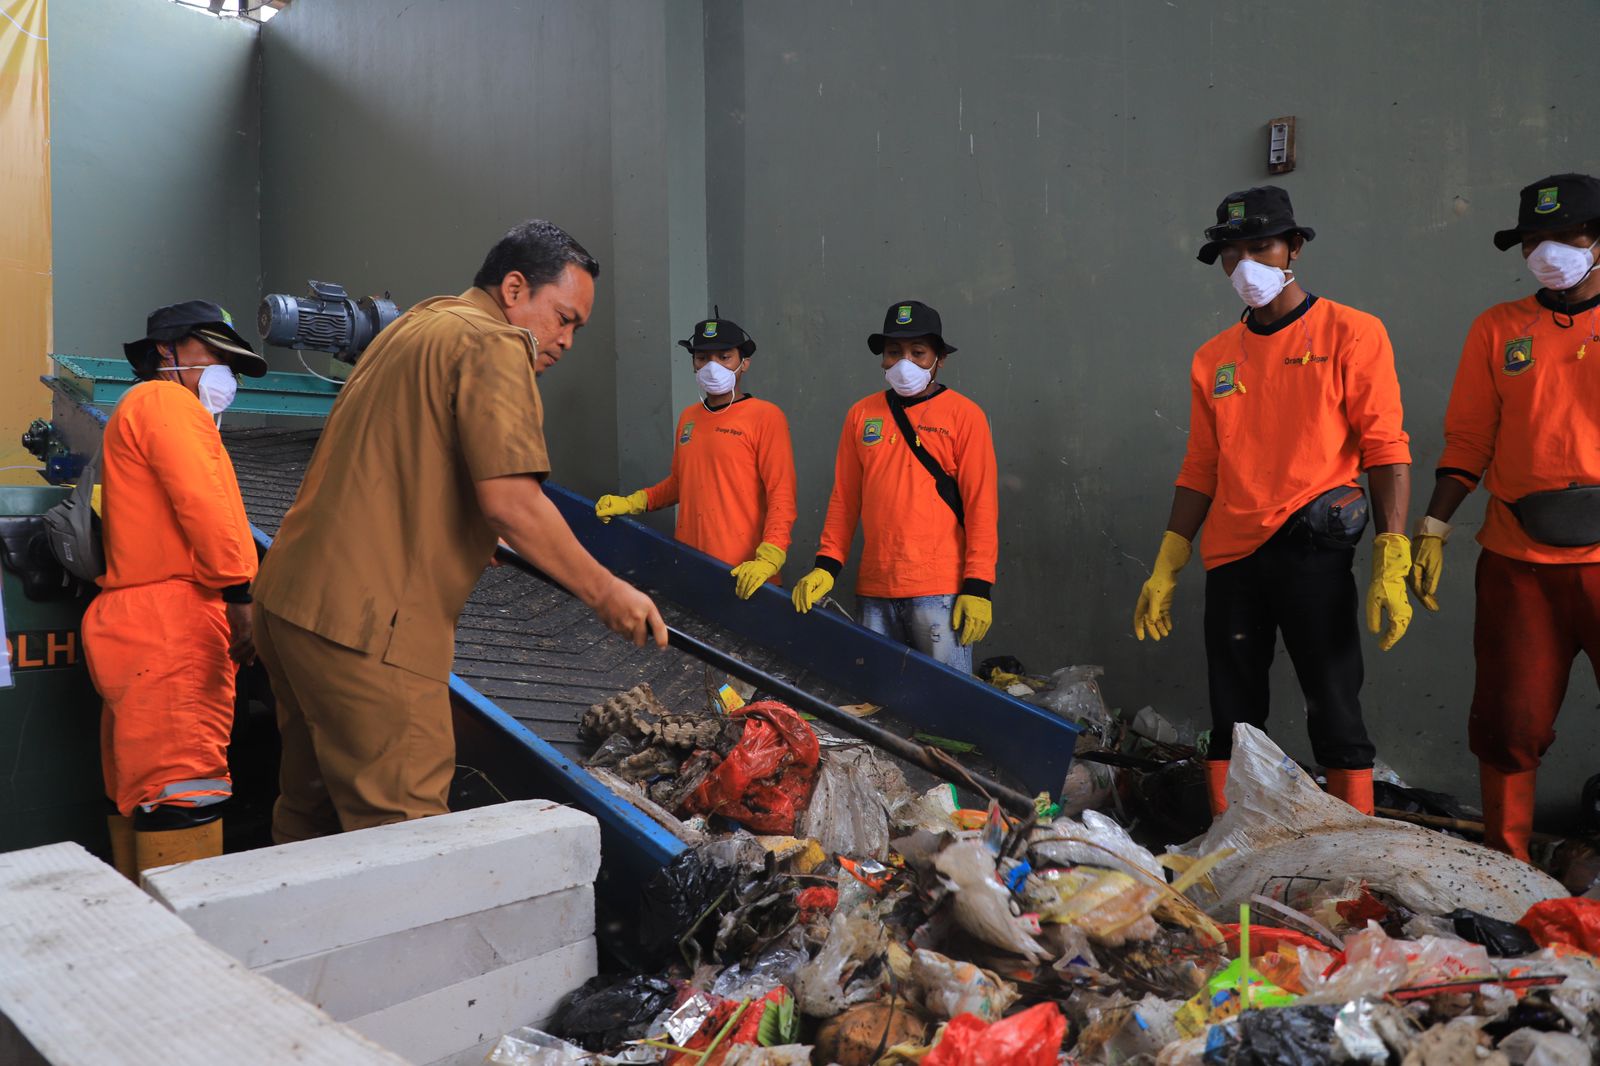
534 650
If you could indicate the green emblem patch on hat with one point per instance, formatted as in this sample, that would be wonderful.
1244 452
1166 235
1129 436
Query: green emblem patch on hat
1547 201
1518 356
902 315
225 316
1236 213
710 330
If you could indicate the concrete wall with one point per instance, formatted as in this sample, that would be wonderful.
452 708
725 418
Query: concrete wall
155 155
400 143
1041 173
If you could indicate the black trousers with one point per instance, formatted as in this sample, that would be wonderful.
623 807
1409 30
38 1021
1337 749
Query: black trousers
1308 593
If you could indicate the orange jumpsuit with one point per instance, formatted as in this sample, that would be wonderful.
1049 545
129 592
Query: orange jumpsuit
156 637
732 479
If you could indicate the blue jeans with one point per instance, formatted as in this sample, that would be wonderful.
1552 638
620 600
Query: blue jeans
923 622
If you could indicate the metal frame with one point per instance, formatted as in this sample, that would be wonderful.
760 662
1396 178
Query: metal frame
1027 741
104 381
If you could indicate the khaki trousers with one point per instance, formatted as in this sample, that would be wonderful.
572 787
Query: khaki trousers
364 743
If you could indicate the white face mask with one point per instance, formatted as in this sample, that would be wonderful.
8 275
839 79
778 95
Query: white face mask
217 386
1560 267
715 379
1258 284
907 378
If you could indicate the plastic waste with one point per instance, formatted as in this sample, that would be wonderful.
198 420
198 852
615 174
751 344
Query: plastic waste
679 896
1074 694
979 903
850 968
781 1055
765 782
1232 990
1574 922
1375 965
1087 785
778 966
1096 840
846 814
1031 1038
934 811
949 988
1355 1033
530 1047
1281 825
605 1011
1502 939
1109 906
1530 1047
1290 1036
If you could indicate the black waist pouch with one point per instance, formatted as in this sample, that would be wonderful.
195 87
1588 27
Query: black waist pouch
1337 518
1562 518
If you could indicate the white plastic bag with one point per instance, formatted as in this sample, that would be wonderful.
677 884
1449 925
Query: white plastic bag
1282 828
1097 841
979 903
847 815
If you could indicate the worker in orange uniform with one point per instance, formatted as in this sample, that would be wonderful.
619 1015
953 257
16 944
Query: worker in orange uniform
1524 417
732 473
172 623
916 466
1288 407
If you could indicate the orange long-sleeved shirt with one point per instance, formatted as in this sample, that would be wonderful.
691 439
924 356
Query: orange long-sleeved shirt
1526 407
912 543
732 479
1280 417
171 504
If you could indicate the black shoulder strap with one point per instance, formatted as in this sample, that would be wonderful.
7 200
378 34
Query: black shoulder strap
948 490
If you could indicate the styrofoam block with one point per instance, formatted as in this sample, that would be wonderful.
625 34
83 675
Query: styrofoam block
272 904
362 978
451 1020
94 971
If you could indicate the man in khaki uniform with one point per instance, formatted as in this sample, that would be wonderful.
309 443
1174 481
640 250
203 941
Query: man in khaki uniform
434 448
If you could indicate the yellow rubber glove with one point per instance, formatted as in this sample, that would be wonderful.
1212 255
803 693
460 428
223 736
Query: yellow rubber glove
971 618
608 507
751 575
811 588
1391 565
1153 615
1429 561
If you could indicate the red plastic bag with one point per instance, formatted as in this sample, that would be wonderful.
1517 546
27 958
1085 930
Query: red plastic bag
1032 1038
1574 922
765 782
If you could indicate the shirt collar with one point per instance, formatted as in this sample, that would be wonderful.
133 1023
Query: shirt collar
484 302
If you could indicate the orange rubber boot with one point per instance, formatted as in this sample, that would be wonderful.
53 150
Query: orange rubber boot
1216 778
1352 786
1507 809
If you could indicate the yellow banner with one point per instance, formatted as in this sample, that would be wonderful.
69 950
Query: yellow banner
25 313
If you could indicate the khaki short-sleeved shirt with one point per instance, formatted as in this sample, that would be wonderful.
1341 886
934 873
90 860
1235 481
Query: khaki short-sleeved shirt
385 540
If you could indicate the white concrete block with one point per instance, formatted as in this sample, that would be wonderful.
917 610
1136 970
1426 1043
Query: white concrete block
273 904
445 1023
362 978
93 971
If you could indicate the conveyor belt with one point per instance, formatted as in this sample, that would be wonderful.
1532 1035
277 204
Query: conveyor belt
535 651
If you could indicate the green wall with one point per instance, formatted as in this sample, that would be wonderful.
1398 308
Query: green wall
155 167
1041 173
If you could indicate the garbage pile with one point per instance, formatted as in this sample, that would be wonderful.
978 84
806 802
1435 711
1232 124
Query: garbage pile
887 925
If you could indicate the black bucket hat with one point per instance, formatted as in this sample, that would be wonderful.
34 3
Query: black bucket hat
719 335
195 318
907 319
1263 211
1557 202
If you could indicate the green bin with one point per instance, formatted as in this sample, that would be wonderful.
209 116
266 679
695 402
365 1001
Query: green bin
51 788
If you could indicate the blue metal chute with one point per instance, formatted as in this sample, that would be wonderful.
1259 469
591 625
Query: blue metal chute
1026 741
